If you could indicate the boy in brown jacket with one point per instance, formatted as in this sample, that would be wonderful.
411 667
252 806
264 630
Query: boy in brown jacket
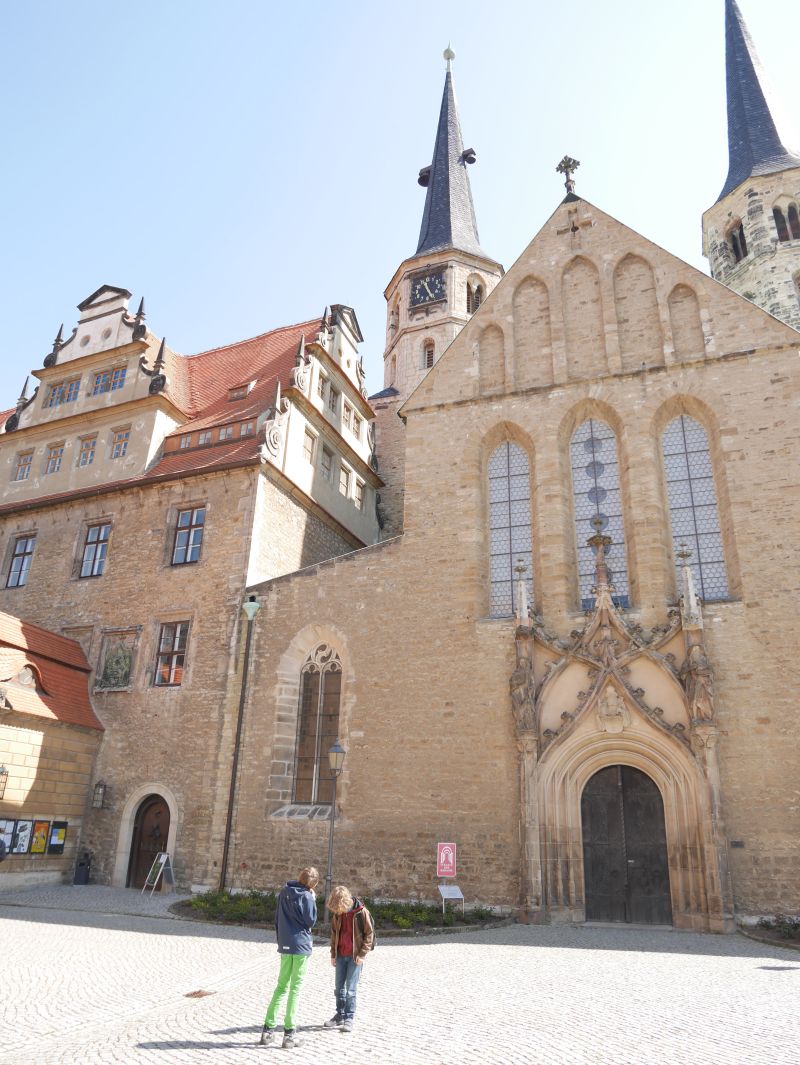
352 937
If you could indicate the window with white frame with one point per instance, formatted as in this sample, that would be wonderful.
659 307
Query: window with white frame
309 445
693 511
326 464
510 537
226 432
95 549
597 498
358 495
186 440
188 540
344 479
246 429
322 385
53 458
333 399
109 380
317 725
356 426
204 437
86 450
119 443
63 392
22 469
347 413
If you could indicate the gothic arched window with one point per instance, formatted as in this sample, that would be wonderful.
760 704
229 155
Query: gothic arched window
780 224
794 221
596 494
509 526
474 297
317 725
428 351
693 505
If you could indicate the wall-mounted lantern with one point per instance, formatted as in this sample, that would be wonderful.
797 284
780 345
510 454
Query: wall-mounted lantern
99 795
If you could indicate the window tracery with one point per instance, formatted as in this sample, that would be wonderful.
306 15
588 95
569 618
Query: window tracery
693 511
510 540
596 495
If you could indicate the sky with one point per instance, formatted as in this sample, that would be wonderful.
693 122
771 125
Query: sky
243 164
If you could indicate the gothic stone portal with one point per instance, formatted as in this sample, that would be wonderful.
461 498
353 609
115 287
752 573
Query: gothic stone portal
625 848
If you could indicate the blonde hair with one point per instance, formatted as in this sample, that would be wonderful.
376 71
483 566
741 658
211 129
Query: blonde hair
340 900
309 877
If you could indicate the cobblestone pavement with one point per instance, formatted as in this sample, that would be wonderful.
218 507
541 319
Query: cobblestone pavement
98 987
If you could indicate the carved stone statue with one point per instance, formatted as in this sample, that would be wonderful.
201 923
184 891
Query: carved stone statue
612 713
523 692
698 679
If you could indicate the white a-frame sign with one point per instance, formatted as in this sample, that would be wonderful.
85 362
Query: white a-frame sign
162 866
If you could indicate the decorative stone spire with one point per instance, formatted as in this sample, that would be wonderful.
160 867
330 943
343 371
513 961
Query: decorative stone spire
448 220
691 614
139 328
158 366
52 357
755 144
300 357
600 542
523 616
23 396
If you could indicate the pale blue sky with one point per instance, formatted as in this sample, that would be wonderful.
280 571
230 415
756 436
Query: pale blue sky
242 164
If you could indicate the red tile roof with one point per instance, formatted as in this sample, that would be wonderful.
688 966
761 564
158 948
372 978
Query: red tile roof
202 381
207 459
62 673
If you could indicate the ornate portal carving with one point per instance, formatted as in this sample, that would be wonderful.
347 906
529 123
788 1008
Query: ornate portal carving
612 713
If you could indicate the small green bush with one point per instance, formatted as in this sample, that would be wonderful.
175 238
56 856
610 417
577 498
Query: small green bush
786 927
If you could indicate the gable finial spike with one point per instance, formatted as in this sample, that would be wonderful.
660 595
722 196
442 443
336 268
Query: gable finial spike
140 312
300 357
24 393
278 395
159 363
448 55
59 336
567 167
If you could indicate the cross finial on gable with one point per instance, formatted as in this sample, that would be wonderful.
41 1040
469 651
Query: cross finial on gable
567 167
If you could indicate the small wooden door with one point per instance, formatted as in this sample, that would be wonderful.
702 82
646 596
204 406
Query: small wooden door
150 834
625 862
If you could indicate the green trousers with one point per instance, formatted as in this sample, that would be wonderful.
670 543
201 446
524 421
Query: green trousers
290 979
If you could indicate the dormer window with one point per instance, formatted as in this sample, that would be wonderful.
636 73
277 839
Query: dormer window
204 437
474 297
63 392
226 432
240 391
186 440
738 242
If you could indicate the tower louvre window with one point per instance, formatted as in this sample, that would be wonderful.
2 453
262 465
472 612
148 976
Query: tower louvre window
428 353
474 297
794 221
596 495
510 537
780 224
738 243
693 512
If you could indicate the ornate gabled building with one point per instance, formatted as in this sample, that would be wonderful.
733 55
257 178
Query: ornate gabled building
143 491
751 236
577 661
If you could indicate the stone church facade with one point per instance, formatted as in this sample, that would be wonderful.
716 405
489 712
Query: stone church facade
569 647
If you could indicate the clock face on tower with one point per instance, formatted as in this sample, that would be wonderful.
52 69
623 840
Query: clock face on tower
428 289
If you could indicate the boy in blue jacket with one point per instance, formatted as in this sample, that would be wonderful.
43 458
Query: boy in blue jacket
296 915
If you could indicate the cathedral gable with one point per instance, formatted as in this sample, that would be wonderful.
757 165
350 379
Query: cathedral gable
589 298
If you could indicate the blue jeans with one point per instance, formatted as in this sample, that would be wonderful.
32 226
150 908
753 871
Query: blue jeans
347 974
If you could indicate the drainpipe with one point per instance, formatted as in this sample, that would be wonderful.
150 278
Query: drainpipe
250 608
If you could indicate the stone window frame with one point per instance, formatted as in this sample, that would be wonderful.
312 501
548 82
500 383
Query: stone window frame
345 479
120 438
475 293
107 635
174 527
110 380
53 458
30 536
158 652
326 469
87 449
286 701
428 356
61 392
82 542
310 439
359 493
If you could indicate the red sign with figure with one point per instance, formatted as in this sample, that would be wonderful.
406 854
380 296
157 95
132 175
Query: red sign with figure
445 859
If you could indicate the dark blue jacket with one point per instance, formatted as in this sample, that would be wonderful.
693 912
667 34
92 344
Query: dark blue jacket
295 917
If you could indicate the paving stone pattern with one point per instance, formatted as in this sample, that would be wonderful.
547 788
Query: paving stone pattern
97 986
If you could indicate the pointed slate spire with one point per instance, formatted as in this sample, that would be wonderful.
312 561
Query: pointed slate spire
448 220
755 144
23 396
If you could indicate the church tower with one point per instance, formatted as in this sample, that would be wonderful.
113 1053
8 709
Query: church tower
751 236
433 294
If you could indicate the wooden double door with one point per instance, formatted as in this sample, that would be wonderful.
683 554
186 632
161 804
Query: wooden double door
625 862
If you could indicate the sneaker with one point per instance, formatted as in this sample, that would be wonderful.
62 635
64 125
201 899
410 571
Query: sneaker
347 1024
291 1039
334 1022
266 1036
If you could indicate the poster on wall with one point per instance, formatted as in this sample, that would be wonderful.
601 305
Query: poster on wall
7 833
22 837
58 837
39 837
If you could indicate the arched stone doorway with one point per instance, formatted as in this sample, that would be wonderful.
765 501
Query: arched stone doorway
625 862
150 835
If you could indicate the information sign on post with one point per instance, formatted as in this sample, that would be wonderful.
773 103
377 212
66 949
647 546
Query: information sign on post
445 859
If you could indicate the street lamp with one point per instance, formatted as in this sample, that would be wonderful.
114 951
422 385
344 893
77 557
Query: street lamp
336 756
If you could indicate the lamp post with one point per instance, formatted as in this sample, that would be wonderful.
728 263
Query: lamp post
250 609
336 756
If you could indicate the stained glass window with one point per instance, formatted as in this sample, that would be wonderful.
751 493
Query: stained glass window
693 505
596 494
509 526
